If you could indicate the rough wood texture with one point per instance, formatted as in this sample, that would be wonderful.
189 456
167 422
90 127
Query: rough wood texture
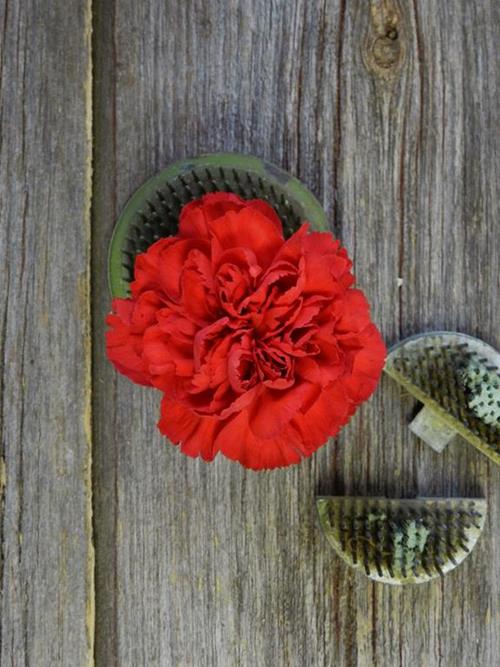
387 112
45 184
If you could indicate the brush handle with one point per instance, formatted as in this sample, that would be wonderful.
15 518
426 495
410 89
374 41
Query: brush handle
432 429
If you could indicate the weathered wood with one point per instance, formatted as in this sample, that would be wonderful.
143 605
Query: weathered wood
389 120
202 564
387 111
45 185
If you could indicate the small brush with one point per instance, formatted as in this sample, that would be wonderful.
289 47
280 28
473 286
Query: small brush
397 541
153 211
457 378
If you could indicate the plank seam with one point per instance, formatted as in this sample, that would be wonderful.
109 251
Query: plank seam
86 291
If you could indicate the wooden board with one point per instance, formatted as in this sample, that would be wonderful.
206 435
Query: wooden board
212 564
45 194
388 111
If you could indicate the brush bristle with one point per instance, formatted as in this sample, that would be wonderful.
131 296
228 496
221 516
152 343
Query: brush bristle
482 386
159 215
443 370
402 541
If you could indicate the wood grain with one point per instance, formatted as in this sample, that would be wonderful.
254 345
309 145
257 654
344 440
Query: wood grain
386 110
412 218
45 184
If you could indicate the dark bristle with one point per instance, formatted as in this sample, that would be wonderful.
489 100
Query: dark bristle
251 184
239 188
437 367
401 541
159 215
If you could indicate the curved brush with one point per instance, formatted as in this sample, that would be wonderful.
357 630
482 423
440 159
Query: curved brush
402 541
457 378
153 211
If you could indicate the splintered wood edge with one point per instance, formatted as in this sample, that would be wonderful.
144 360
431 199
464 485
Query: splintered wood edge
322 506
450 421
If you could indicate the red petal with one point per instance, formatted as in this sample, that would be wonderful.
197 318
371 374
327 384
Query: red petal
124 339
327 265
324 417
206 338
241 369
195 434
147 266
122 354
351 312
367 366
163 349
248 229
237 441
198 298
273 409
267 210
173 259
195 216
291 251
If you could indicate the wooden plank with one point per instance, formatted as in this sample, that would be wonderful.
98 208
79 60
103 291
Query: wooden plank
420 214
204 564
215 565
45 184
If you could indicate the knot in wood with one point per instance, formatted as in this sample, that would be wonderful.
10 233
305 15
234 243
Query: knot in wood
384 49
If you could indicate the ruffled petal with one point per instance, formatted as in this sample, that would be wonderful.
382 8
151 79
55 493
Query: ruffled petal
125 338
324 416
193 433
367 366
196 216
250 229
273 409
267 210
261 347
237 441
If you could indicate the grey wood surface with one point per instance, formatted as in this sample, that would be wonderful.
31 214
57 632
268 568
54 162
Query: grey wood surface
46 555
388 111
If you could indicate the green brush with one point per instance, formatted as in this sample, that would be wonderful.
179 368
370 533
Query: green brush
153 211
402 541
457 378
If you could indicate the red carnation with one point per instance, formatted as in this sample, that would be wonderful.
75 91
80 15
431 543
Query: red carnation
260 345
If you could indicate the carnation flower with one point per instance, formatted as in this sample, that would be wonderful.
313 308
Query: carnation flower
260 346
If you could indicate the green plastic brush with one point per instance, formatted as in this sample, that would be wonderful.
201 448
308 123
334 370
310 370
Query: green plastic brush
153 211
402 541
457 378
